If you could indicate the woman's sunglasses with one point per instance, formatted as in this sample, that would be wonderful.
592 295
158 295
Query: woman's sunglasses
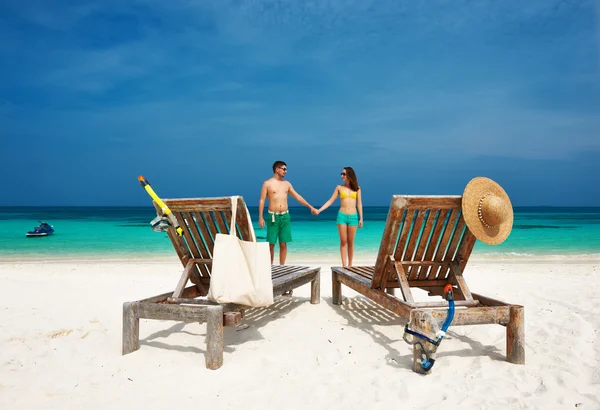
343 174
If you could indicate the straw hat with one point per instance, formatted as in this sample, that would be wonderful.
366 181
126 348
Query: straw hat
487 210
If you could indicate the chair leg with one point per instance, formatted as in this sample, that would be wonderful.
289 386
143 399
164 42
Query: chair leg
131 329
315 289
336 289
515 336
418 354
214 337
421 326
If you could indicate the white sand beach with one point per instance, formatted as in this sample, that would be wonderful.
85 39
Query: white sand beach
60 345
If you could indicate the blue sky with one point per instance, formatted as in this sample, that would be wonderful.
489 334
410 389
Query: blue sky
202 96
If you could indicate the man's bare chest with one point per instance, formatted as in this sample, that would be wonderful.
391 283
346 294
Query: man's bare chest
278 189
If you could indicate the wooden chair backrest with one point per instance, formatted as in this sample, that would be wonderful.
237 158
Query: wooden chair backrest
201 219
426 234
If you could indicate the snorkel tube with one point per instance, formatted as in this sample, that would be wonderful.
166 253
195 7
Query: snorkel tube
450 317
166 211
428 361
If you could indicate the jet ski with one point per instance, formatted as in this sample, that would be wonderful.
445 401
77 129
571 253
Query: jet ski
43 229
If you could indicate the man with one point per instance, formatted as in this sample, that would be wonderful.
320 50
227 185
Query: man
279 224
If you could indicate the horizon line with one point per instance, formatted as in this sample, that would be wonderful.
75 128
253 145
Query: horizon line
255 206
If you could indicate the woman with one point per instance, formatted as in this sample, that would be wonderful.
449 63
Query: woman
348 219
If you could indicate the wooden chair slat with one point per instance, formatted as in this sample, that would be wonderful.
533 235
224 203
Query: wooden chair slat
367 270
443 245
210 224
277 268
449 257
222 225
203 233
425 243
226 215
433 242
282 270
414 236
363 271
355 277
206 236
407 226
420 242
189 241
193 227
281 275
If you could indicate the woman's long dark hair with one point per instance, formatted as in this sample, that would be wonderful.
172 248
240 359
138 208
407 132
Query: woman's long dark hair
352 179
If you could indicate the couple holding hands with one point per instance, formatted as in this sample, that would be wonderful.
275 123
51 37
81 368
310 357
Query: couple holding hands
279 224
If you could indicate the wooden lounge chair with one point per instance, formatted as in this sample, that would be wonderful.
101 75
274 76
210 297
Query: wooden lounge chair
426 244
201 219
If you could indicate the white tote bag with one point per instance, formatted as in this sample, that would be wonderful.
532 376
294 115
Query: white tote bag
241 270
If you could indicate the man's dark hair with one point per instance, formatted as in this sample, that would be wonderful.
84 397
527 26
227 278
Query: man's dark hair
278 164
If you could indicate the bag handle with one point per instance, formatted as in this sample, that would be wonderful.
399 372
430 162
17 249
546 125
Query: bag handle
234 202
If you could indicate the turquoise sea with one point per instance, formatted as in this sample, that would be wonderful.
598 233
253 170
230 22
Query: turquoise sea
123 233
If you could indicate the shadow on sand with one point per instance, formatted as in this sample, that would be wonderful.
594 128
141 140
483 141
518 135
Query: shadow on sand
249 328
364 314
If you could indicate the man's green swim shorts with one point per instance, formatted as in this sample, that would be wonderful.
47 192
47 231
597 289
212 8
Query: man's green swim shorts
279 226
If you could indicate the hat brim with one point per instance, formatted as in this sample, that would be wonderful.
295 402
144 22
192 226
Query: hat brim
474 191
